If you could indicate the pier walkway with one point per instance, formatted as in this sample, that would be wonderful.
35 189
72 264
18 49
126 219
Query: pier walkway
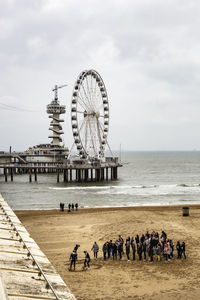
25 271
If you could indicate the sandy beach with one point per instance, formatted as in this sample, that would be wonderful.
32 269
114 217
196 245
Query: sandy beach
57 232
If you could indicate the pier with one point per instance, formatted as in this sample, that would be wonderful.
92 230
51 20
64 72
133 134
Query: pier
65 173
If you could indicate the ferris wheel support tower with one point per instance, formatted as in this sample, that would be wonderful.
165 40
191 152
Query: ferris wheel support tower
54 109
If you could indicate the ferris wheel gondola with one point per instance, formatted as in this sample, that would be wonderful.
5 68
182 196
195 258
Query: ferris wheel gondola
90 115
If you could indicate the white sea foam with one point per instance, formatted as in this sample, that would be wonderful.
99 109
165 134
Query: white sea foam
105 187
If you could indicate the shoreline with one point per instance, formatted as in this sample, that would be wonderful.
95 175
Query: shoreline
113 208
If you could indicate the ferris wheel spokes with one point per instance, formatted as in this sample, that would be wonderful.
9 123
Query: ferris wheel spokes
84 101
88 96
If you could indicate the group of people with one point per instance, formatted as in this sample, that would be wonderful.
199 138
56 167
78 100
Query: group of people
74 256
147 246
71 207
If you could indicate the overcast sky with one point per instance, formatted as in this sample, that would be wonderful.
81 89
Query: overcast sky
147 52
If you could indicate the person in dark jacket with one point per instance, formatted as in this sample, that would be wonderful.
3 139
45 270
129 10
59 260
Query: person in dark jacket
133 248
72 206
109 248
137 240
183 249
127 245
120 249
104 249
76 206
178 249
114 253
122 243
73 259
163 236
142 239
150 251
62 205
87 260
139 251
144 249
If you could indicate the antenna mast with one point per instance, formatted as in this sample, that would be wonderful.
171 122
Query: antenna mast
56 91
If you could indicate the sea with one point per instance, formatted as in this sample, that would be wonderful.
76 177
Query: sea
146 179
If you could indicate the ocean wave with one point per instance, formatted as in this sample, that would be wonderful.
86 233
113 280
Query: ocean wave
96 187
189 185
131 189
80 188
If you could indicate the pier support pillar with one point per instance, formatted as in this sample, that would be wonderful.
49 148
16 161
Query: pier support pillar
86 175
58 177
79 175
102 174
35 173
70 174
11 174
106 173
91 174
66 175
82 175
97 175
111 173
6 175
116 172
30 175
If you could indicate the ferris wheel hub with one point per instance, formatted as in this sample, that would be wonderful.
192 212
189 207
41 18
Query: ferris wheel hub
97 114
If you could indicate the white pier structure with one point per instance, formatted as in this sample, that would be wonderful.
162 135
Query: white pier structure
54 109
25 271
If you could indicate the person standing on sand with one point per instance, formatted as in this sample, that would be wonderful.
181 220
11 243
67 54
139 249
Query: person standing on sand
183 249
137 240
150 249
87 260
104 249
95 249
144 249
73 259
133 248
127 245
69 206
76 206
72 206
178 249
120 249
139 251
111 248
166 251
122 243
109 245
114 253
62 205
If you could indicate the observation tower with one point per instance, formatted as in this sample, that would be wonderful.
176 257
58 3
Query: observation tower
54 109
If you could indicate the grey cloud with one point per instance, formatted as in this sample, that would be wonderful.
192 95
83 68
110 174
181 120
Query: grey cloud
146 51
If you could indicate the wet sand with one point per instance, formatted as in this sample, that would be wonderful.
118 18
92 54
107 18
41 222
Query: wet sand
56 233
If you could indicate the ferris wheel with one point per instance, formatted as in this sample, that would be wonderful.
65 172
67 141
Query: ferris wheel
90 115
